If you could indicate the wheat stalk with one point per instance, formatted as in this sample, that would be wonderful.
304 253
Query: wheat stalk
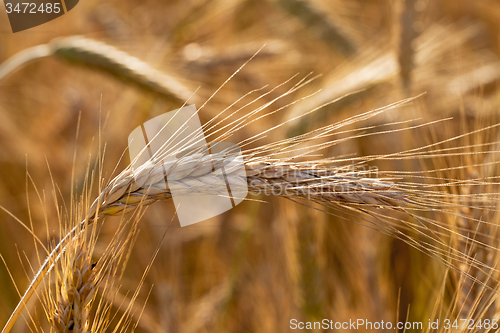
103 57
406 46
315 20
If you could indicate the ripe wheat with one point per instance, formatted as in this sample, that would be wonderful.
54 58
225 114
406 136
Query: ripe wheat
312 180
77 285
103 57
146 185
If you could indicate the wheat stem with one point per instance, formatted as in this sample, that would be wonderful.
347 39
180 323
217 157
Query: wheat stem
23 58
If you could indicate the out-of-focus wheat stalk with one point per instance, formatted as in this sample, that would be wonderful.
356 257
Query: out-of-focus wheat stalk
319 23
407 33
422 54
105 58
201 57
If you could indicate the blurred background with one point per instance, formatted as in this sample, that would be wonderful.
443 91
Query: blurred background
258 266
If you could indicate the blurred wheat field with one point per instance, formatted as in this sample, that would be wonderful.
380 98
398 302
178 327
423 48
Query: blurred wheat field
269 260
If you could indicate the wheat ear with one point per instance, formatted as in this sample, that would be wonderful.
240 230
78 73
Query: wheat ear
77 285
103 57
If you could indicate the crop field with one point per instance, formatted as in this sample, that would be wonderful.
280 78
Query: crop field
370 148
